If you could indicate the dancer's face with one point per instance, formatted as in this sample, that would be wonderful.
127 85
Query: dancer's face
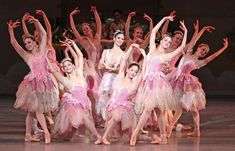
166 42
67 67
119 39
202 51
177 39
29 44
36 36
86 29
117 16
138 33
132 71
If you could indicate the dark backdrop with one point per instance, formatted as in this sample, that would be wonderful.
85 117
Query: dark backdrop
218 77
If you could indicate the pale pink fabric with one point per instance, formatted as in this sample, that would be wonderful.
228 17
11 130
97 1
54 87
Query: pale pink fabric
188 90
75 106
37 92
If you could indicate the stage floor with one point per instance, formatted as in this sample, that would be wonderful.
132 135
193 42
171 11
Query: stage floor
217 132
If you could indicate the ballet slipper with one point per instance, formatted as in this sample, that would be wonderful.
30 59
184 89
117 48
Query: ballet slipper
133 139
163 140
30 138
98 141
156 139
195 133
169 131
47 138
105 141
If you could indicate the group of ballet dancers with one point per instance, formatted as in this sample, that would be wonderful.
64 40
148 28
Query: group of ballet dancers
120 88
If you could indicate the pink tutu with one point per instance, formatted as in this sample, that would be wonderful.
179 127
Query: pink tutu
121 108
74 108
154 91
188 90
37 92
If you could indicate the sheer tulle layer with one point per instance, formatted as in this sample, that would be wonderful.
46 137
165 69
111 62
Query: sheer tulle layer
188 92
70 116
154 91
37 94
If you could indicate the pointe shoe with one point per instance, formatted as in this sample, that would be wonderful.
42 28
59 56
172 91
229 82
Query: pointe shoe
47 138
195 133
133 139
30 138
163 140
156 139
105 141
169 131
98 141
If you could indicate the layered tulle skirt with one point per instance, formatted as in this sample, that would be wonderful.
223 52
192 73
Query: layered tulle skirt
37 94
154 92
71 115
122 111
188 92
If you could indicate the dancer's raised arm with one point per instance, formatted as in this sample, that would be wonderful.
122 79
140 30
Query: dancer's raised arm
152 45
197 34
126 57
24 19
98 23
73 26
146 40
214 55
42 33
169 56
79 54
127 26
48 26
15 44
165 26
140 77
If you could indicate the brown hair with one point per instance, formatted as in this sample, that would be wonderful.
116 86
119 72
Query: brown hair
117 32
134 64
66 59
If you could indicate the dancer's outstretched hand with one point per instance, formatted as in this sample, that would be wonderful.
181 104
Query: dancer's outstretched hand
147 17
40 12
12 25
75 11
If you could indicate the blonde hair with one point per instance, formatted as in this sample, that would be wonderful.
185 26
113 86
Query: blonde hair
65 59
178 32
25 36
206 45
166 35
